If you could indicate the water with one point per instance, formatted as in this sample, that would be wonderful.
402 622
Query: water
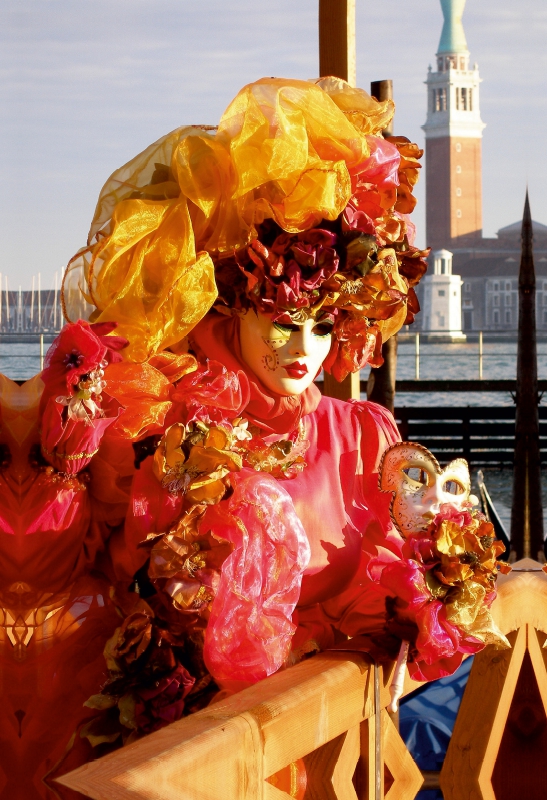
460 361
20 360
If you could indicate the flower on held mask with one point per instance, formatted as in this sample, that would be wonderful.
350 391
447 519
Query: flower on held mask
444 584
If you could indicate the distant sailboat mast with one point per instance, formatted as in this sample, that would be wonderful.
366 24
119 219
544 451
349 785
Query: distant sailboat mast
7 306
32 306
39 303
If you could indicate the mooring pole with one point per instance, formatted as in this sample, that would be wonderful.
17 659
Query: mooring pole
337 39
337 57
381 381
527 511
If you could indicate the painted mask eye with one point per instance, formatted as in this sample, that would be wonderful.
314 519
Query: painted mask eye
286 330
453 487
322 329
417 475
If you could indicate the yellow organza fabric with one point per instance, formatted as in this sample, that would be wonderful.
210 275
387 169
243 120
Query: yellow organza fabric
284 149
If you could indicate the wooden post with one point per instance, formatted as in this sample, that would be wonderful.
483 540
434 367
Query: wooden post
381 382
527 511
337 57
337 39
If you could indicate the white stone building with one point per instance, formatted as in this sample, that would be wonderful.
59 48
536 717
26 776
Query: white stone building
442 300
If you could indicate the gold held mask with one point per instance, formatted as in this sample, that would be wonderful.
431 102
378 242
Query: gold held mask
420 486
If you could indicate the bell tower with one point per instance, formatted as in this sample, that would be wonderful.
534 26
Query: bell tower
453 134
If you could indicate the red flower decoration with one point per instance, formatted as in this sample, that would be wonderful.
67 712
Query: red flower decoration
69 444
288 275
78 350
355 343
162 702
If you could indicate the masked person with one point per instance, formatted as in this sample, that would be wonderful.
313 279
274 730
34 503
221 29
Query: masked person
236 263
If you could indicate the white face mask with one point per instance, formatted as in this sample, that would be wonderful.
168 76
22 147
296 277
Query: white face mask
284 358
420 486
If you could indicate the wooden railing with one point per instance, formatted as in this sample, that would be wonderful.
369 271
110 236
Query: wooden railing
330 711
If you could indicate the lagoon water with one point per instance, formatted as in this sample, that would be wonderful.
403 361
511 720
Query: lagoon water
20 361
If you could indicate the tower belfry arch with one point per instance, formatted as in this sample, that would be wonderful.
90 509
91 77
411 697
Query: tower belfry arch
453 134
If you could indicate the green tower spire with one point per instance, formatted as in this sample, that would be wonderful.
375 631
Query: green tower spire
453 34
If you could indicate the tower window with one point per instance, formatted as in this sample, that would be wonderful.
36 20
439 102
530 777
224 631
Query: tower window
441 292
462 63
470 99
458 169
439 99
458 213
463 99
458 192
458 147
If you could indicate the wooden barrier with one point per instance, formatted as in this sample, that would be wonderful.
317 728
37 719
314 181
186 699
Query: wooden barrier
322 711
478 764
483 435
330 712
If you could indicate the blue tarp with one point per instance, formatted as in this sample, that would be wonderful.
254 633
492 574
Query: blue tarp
426 721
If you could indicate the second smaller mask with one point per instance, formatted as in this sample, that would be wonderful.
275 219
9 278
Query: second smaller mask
420 486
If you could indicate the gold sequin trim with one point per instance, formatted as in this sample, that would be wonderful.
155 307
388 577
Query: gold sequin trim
69 456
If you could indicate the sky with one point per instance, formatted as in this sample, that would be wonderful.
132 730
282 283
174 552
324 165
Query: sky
85 85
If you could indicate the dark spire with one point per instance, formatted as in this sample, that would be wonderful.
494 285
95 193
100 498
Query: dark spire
527 271
527 511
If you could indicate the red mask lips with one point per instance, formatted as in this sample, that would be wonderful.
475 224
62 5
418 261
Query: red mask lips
296 370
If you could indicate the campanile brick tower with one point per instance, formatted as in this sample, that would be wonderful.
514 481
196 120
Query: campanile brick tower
453 133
